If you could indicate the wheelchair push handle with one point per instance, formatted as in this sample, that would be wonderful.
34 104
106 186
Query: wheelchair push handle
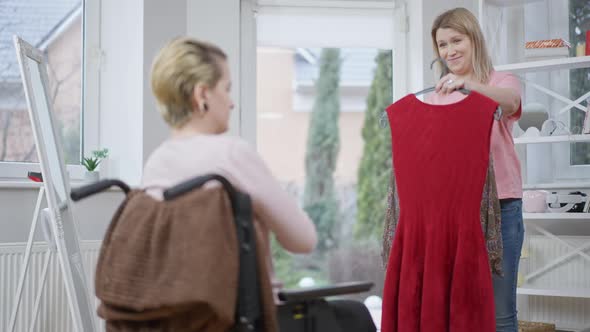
195 183
91 189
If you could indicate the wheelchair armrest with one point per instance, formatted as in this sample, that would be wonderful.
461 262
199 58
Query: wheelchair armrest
311 293
96 187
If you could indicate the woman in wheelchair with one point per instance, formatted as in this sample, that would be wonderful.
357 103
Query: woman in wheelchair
192 84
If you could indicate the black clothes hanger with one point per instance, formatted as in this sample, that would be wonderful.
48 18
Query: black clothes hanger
445 71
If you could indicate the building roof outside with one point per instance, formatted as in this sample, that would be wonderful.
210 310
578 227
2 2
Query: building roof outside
33 20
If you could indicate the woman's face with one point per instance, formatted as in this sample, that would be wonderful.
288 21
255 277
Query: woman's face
456 49
219 101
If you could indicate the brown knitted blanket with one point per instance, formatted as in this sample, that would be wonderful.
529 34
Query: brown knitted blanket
173 265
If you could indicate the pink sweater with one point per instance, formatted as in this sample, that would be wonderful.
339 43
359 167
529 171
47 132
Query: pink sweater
506 163
180 159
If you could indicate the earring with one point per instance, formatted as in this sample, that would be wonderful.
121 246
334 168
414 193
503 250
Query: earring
205 107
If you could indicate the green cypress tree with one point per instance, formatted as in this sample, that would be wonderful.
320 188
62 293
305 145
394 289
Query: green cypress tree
323 145
375 167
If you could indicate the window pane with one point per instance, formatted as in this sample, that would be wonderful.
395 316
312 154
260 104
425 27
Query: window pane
317 128
55 27
579 78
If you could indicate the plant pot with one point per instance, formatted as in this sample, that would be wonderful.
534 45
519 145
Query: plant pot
91 176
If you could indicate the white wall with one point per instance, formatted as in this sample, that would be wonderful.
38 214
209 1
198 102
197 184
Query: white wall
416 47
131 34
219 22
163 20
17 203
121 87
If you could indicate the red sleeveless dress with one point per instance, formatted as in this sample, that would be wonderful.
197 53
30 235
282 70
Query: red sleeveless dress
438 277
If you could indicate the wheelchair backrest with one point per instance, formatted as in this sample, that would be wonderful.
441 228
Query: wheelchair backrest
186 263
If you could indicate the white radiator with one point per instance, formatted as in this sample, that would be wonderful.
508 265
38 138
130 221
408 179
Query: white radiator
53 314
566 312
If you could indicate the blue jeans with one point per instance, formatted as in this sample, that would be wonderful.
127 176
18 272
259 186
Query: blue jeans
505 286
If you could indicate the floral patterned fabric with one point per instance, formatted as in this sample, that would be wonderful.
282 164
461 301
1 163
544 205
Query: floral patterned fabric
490 214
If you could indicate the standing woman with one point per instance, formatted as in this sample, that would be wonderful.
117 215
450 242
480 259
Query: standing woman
457 39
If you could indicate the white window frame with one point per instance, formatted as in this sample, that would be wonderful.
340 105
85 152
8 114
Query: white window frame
17 171
288 11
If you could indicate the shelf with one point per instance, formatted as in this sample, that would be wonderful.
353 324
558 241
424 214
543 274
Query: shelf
552 139
509 3
542 65
537 54
557 185
556 216
579 293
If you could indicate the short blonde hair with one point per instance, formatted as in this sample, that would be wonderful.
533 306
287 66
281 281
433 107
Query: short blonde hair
464 22
177 68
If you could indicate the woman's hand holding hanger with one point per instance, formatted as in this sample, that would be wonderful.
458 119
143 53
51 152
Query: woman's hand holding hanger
451 82
505 95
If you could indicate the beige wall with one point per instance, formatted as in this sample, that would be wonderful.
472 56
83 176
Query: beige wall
282 133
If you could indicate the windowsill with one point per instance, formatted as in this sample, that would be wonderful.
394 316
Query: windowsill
16 184
13 174
27 184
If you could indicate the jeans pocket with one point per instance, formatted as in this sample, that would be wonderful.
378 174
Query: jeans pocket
511 209
512 227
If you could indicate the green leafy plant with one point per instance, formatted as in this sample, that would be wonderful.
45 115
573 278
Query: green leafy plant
92 162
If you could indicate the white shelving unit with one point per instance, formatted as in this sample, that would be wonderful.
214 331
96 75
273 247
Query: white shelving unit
494 12
556 216
576 293
557 185
544 65
552 139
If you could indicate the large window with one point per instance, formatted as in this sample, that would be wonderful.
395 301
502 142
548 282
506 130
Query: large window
320 93
55 27
315 142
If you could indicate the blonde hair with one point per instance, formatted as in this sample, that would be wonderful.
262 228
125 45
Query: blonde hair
464 22
177 69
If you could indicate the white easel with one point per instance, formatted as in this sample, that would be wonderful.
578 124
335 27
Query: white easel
58 216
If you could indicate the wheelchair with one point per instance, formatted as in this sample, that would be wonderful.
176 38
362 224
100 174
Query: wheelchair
140 290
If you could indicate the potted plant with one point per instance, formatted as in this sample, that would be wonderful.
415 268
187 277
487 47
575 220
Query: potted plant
92 162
